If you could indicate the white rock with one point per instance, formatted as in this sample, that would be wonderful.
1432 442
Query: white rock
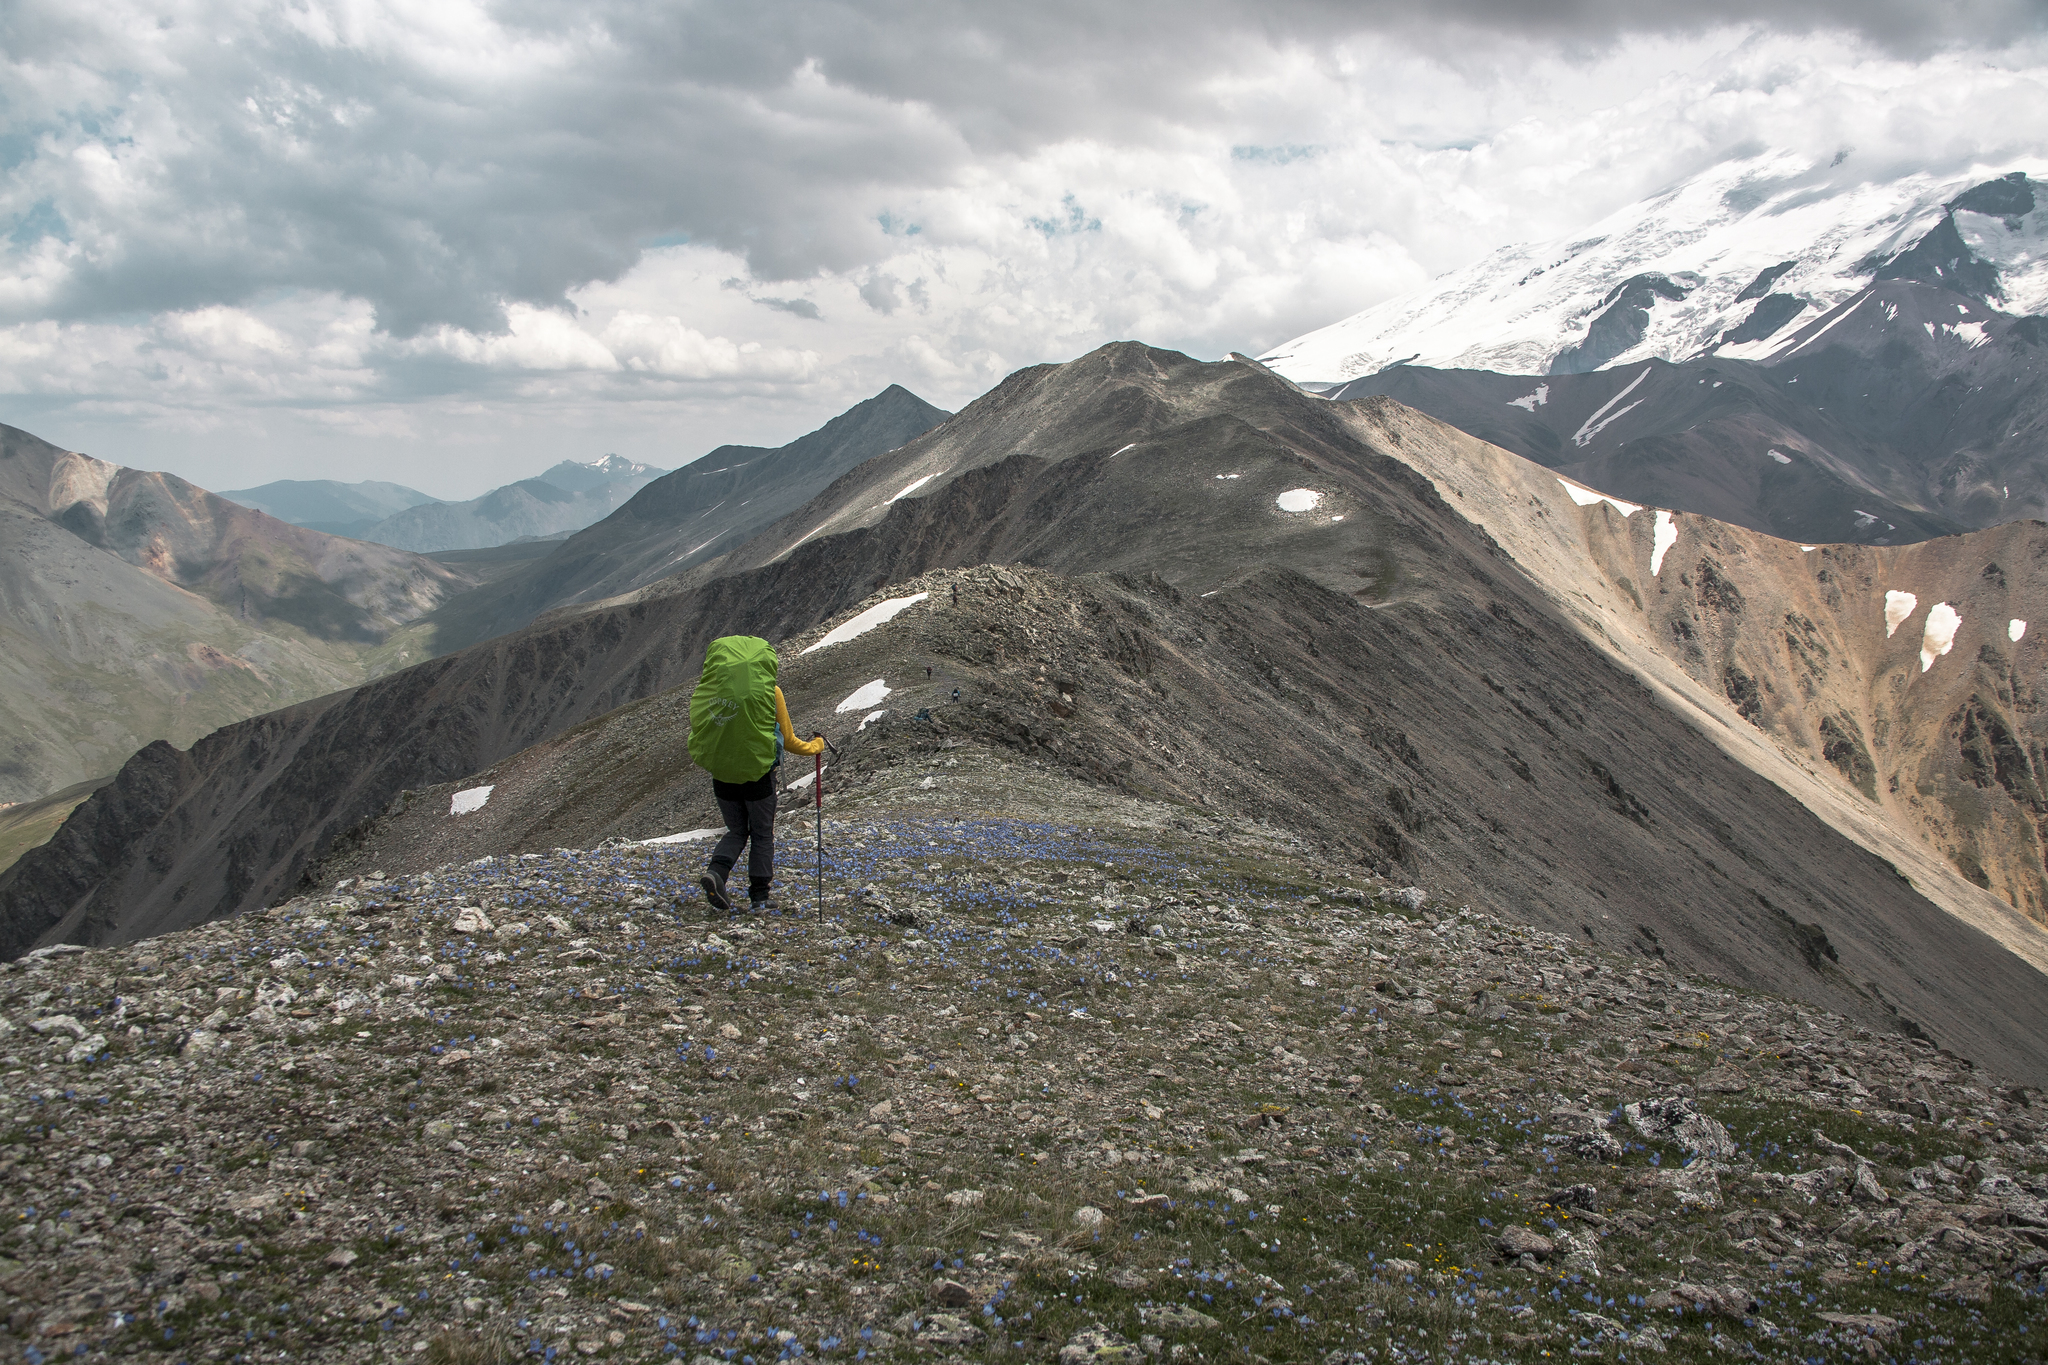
91 1047
1089 1217
58 1023
471 919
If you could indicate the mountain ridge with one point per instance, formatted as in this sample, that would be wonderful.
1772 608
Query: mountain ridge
668 526
1374 635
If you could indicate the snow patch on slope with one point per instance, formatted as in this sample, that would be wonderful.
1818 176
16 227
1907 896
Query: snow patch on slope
912 487
1529 402
1590 428
2014 629
470 799
1298 500
864 696
879 614
1667 536
1942 624
1897 607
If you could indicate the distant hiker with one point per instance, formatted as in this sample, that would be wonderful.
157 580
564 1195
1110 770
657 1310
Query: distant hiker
956 594
956 694
739 726
927 672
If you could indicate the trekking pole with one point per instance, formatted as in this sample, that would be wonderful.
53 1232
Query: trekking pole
818 781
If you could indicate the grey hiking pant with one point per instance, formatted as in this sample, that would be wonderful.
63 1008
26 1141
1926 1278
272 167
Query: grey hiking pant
749 825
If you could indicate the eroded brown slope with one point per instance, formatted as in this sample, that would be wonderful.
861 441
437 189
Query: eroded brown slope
1937 768
135 606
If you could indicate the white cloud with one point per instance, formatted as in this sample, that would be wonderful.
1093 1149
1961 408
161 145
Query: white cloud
375 230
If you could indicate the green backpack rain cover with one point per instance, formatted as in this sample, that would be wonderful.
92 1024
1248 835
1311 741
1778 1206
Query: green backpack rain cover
732 712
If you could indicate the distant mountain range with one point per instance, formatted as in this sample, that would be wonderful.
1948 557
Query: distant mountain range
339 509
561 500
1774 343
1811 773
692 517
141 607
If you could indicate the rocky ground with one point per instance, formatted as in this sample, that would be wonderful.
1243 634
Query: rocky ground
1103 1081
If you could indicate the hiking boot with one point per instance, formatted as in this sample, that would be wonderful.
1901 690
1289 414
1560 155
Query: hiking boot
764 905
714 890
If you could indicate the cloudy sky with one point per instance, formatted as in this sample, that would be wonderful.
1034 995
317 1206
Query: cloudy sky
448 244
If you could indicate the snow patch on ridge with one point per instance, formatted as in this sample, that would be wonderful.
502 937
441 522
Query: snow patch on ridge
470 799
1586 497
1667 536
912 487
864 696
879 614
688 836
1942 623
1897 607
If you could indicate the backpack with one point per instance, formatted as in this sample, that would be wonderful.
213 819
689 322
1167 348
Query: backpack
733 732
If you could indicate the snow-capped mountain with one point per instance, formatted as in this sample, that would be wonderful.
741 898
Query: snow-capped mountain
1731 262
581 476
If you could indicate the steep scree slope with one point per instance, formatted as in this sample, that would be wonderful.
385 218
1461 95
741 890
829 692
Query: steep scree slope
1890 688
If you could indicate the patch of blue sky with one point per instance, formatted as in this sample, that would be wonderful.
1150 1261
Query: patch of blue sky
1279 155
41 220
1075 220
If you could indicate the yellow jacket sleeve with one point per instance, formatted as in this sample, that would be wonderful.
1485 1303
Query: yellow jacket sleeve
806 747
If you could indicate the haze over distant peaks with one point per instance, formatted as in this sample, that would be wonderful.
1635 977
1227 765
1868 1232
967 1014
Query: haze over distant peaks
581 476
565 498
339 509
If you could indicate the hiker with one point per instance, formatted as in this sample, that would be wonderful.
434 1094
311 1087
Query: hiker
739 726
